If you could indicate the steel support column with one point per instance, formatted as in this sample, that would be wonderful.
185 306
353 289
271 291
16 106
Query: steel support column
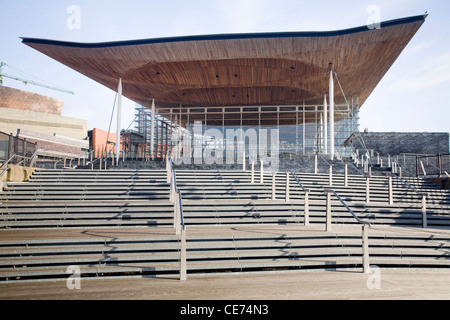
152 131
119 119
325 125
331 97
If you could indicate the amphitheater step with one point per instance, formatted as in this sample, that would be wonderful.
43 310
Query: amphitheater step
38 255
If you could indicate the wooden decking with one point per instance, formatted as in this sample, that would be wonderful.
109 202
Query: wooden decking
335 285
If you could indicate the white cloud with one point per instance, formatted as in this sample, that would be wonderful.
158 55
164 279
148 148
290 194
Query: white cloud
433 73
420 47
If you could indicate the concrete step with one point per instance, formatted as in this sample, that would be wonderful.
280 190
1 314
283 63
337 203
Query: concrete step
102 191
255 251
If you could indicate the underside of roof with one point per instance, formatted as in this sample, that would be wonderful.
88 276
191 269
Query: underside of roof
262 69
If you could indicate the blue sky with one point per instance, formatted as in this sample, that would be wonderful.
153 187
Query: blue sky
413 96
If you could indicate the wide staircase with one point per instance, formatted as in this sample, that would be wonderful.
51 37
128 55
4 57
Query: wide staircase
120 223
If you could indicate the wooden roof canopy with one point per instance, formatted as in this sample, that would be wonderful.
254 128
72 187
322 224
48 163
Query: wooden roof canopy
259 69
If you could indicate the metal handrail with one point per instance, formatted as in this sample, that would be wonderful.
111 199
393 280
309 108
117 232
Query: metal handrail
20 156
430 164
92 162
175 181
7 161
438 167
323 159
180 198
359 171
33 157
424 200
411 187
4 170
182 232
364 234
299 183
348 208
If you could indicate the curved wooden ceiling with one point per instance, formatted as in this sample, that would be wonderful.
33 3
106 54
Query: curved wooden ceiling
240 69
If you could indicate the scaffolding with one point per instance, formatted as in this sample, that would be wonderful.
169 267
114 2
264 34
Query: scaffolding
164 130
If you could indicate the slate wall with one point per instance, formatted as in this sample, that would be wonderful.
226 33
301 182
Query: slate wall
394 143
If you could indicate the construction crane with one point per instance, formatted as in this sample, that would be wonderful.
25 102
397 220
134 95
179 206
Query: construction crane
26 81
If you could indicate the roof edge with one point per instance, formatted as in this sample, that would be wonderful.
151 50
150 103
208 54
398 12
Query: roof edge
231 36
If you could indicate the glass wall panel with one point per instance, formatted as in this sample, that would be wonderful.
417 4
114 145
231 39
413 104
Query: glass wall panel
299 128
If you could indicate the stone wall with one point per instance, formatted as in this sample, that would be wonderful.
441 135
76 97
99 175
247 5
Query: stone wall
17 99
394 143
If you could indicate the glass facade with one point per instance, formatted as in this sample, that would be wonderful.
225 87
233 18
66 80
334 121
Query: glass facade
257 130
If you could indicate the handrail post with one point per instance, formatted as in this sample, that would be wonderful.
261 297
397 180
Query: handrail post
366 165
261 175
328 213
315 164
274 196
423 168
331 175
365 249
367 190
253 172
172 188
424 211
178 221
417 166
306 204
306 208
346 175
287 191
10 146
168 170
183 265
365 236
390 193
177 218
